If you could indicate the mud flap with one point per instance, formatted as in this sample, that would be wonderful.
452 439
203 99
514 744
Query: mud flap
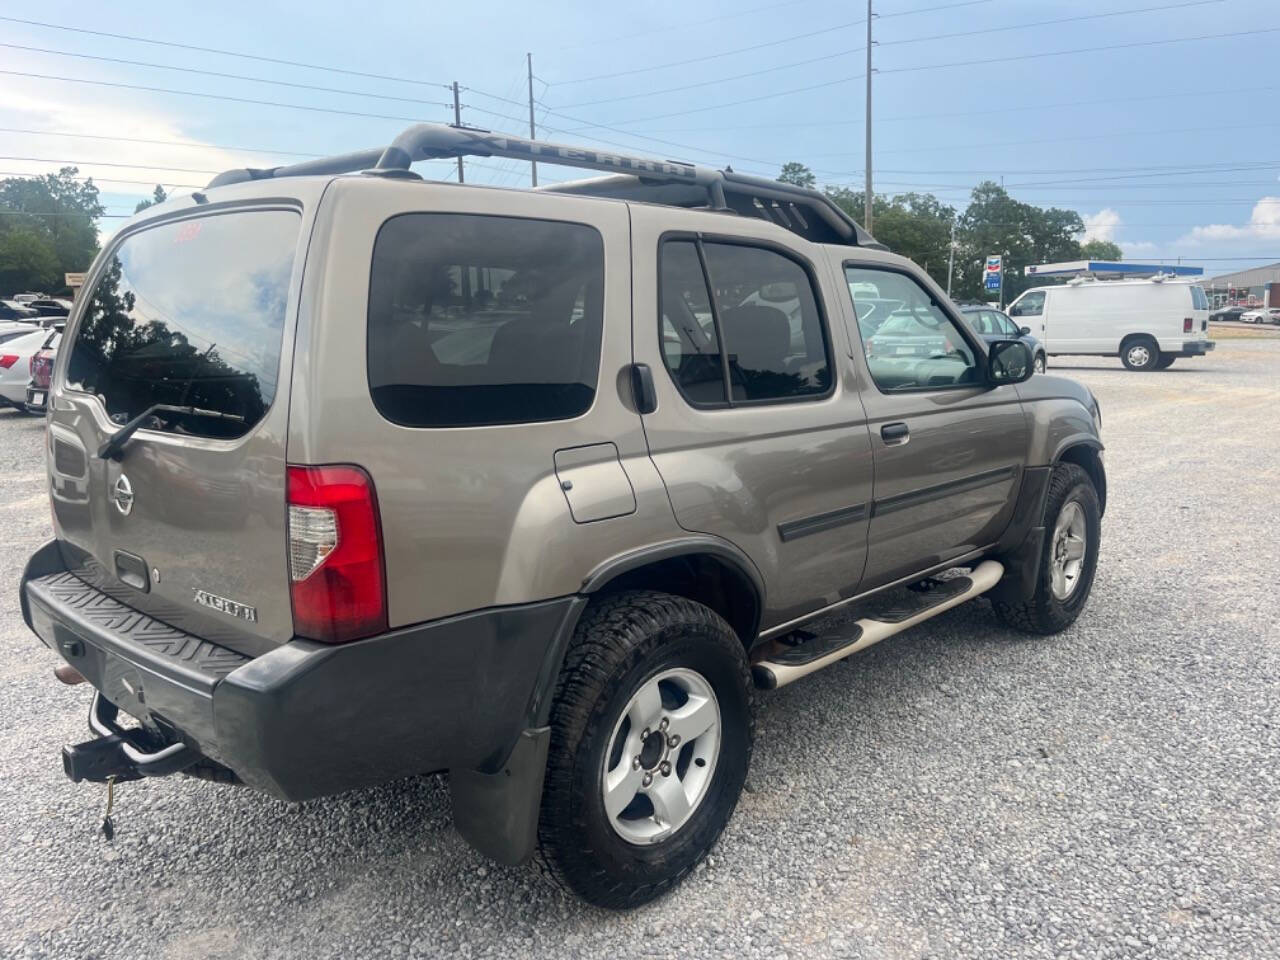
497 813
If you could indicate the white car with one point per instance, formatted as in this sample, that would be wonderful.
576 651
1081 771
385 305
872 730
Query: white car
15 364
1261 315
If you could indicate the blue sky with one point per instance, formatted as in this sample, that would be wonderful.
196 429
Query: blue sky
1171 149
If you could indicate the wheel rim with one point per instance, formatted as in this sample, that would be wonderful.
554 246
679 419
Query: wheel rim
1067 561
1039 365
1139 355
661 757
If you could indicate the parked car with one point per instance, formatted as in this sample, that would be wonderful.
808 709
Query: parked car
41 373
1147 323
50 307
11 310
1261 315
993 325
15 364
27 297
582 492
12 329
1226 313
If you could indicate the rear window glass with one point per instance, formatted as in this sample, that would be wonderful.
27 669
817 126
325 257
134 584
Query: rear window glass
483 320
190 314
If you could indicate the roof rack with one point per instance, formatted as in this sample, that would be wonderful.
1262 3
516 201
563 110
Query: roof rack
810 214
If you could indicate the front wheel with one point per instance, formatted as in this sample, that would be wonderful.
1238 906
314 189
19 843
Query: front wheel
1073 530
1039 364
651 736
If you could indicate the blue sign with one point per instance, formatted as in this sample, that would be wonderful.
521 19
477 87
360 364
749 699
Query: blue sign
993 272
993 281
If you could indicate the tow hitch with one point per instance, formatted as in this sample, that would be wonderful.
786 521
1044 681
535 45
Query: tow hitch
115 754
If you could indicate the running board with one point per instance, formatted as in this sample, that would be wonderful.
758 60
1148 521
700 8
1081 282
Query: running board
886 615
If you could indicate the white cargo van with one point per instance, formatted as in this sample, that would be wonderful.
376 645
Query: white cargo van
1147 323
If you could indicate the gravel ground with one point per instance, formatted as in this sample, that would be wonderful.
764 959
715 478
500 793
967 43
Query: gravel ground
961 791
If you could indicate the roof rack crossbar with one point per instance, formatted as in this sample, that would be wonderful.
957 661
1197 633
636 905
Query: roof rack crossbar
642 175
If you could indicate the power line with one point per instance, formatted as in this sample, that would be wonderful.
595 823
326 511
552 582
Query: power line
104 163
164 143
225 76
144 183
225 53
885 43
760 46
209 96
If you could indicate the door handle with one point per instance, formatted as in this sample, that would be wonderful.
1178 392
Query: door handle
895 433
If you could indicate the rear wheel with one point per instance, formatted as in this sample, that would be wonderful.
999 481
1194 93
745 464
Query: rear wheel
1073 528
651 736
1039 363
1165 361
1140 353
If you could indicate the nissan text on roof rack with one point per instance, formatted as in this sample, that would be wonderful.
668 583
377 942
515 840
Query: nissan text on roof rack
1149 315
357 476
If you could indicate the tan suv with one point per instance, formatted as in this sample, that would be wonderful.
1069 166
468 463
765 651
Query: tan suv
357 476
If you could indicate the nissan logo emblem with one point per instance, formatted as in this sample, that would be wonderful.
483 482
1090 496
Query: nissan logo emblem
122 494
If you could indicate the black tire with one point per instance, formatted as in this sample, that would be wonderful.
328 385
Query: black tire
1165 361
1140 353
621 642
1044 613
1040 364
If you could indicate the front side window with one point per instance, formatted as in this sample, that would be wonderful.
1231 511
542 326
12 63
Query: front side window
760 305
917 346
1031 305
478 320
190 313
1002 326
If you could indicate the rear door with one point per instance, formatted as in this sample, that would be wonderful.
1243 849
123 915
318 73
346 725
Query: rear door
948 449
778 462
188 524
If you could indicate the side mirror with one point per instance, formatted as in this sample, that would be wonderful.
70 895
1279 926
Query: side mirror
1008 361
1024 331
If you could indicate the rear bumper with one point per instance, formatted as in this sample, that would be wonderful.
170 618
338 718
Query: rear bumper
37 399
308 719
1196 348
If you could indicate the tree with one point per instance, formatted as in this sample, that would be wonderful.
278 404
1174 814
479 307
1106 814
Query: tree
159 196
1101 250
27 261
53 215
995 223
797 174
915 225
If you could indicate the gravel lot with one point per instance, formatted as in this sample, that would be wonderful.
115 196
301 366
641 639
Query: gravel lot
961 791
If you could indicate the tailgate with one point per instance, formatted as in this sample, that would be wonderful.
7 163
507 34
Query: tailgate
187 522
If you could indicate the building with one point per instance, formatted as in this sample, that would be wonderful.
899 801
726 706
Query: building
1249 288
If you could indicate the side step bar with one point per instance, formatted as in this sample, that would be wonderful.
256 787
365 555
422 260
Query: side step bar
883 620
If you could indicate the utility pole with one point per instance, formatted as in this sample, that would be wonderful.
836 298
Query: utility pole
951 262
457 122
867 212
533 133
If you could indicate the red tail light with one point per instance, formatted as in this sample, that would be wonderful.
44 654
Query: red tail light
41 369
1187 323
335 554
7 360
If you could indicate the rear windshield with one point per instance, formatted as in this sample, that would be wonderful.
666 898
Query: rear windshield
483 320
190 314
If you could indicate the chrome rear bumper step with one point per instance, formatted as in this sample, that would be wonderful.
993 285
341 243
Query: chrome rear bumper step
787 664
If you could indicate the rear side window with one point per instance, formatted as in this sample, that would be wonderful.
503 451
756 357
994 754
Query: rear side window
1198 300
760 305
479 320
190 314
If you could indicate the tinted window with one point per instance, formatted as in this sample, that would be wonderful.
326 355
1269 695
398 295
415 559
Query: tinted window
917 346
480 320
191 314
690 346
1198 300
770 323
765 313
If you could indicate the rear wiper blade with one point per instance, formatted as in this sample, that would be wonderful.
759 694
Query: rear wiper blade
113 448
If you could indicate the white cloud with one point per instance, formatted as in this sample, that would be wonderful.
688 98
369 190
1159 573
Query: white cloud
1101 225
1136 246
1264 224
21 110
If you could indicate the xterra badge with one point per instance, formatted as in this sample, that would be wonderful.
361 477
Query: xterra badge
230 607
